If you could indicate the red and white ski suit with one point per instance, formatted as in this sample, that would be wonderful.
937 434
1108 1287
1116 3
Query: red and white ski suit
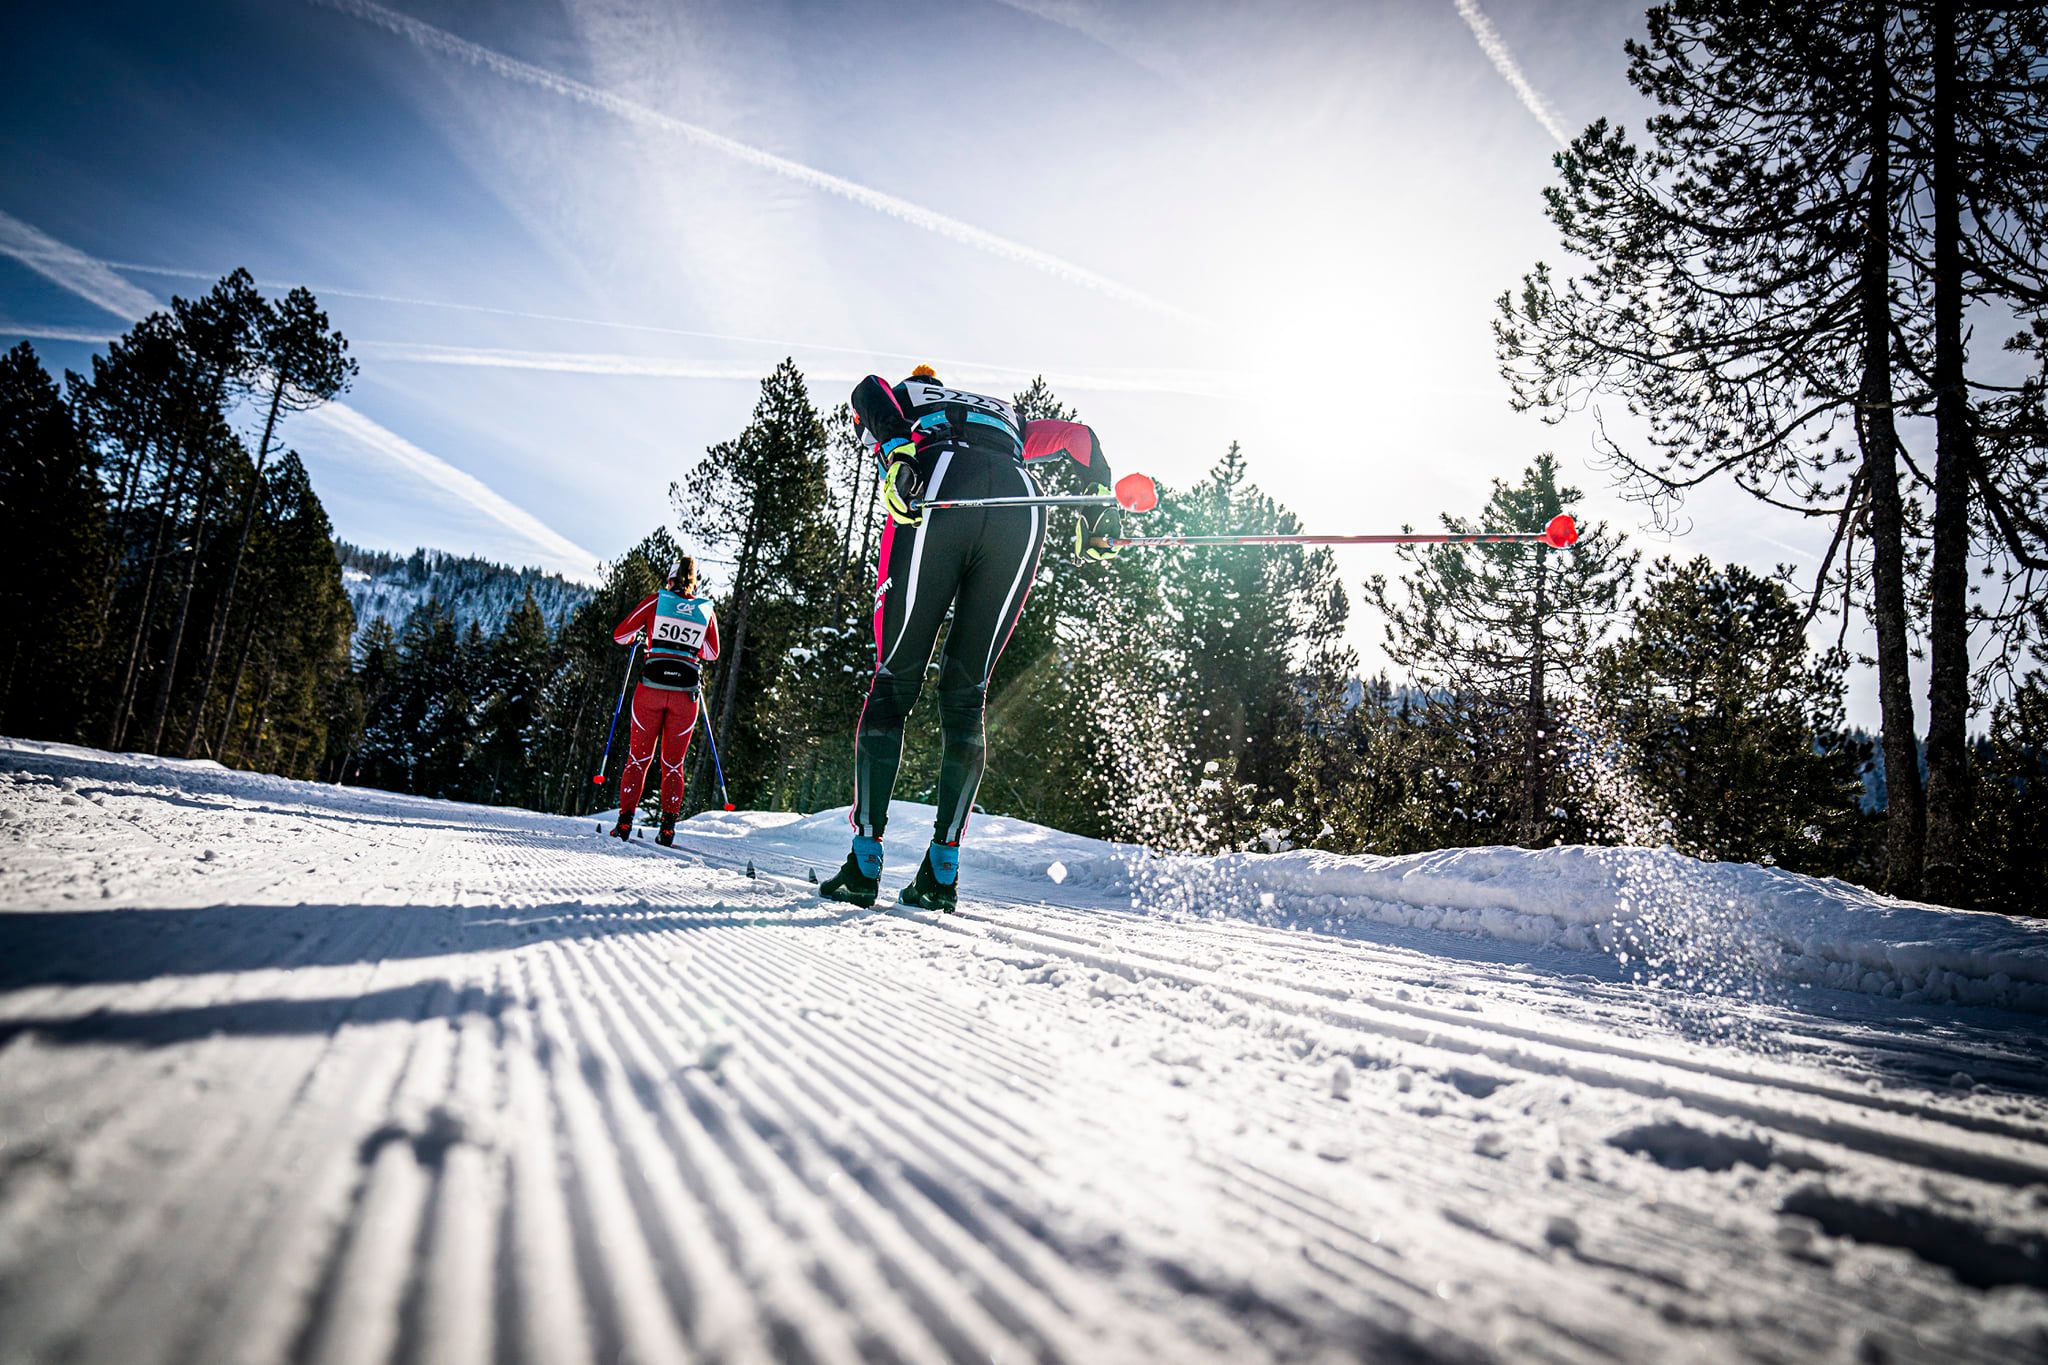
664 711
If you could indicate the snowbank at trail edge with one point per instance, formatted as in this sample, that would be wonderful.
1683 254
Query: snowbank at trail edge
1712 925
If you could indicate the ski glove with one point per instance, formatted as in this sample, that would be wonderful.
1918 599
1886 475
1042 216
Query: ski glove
1098 524
900 489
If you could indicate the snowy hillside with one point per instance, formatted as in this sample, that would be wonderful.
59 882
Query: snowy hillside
386 587
292 1072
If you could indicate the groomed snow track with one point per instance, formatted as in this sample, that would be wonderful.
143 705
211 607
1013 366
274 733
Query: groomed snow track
295 1073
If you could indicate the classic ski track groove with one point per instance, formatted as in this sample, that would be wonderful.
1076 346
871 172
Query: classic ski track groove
581 1103
2018 1162
1421 1171
1162 964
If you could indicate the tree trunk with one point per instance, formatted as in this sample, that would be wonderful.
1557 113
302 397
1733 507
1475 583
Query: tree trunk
571 787
1535 776
252 736
117 517
138 644
217 635
1878 437
161 710
1948 632
227 722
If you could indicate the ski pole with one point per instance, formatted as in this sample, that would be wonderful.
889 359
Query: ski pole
1134 493
704 719
605 762
1560 534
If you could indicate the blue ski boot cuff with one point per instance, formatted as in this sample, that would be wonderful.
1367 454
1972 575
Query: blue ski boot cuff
867 854
945 861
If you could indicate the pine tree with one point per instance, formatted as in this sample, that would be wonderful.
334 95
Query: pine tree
520 659
1717 706
1243 618
2009 836
1976 145
1742 297
376 759
52 534
1497 636
222 331
763 496
296 641
305 364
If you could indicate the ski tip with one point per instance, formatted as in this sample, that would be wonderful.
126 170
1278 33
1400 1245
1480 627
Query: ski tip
1137 493
1562 532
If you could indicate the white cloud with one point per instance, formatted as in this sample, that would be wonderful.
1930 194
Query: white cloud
916 215
1496 50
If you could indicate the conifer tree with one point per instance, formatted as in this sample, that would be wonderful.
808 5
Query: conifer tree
1496 636
2009 836
1243 617
374 758
1741 297
520 657
52 534
304 364
763 497
1975 144
222 331
299 628
1716 705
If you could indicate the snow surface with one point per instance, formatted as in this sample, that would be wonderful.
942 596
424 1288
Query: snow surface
291 1072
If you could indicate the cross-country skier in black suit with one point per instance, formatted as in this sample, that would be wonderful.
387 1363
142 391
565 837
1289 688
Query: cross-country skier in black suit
933 440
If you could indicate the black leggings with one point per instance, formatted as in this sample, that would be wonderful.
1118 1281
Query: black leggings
980 564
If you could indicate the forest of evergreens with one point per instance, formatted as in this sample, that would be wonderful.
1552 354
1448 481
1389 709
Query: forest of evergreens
1772 284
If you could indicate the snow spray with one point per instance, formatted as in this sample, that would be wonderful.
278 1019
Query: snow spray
1675 924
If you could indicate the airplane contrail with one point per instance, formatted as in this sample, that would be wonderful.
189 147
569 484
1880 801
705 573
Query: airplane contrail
1193 383
1096 25
90 336
1496 50
434 39
72 270
95 281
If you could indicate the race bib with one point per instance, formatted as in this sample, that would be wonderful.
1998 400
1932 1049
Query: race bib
677 633
680 623
922 394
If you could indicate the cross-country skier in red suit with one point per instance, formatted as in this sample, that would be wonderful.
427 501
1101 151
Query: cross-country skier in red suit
934 441
680 632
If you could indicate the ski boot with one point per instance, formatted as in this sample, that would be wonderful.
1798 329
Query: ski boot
623 829
666 837
937 884
858 881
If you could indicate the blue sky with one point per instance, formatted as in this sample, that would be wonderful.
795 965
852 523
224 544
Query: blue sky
566 239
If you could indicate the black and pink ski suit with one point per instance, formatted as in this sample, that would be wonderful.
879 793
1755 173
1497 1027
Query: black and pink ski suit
977 562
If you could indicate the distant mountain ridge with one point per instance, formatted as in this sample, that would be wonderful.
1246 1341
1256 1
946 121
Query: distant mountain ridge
386 587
